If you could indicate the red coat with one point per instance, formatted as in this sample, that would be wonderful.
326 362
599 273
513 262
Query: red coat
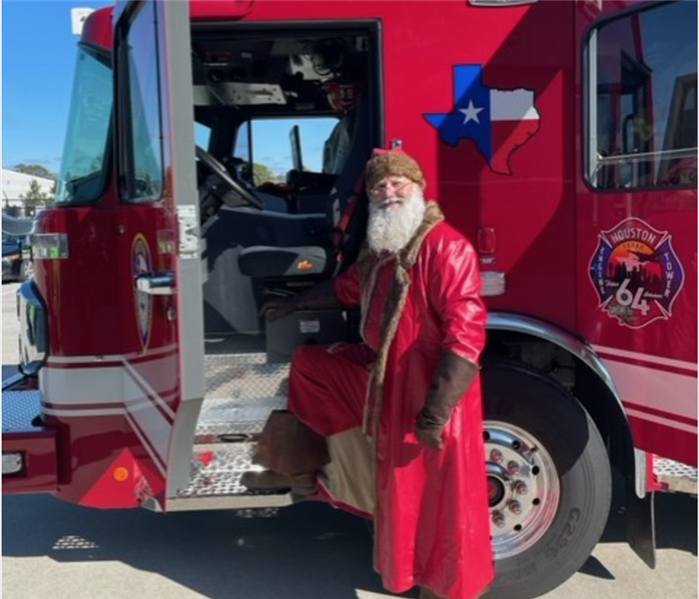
432 519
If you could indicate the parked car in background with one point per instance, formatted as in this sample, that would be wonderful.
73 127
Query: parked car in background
16 249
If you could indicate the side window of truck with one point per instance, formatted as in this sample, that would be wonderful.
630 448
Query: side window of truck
142 151
642 90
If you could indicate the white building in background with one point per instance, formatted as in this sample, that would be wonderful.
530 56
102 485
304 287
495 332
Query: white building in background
15 186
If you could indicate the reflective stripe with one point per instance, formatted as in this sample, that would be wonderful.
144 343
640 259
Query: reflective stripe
115 390
612 351
98 361
666 392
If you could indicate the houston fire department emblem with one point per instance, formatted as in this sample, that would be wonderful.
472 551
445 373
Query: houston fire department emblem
141 264
636 273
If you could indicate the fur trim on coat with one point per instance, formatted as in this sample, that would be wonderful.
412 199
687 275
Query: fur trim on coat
368 266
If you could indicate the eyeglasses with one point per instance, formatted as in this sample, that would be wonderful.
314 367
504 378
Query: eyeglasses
381 188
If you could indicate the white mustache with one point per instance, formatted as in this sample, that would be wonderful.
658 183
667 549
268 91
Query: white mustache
388 201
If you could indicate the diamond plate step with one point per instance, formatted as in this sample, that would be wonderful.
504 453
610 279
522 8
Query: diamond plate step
235 419
241 391
19 408
216 470
679 478
244 375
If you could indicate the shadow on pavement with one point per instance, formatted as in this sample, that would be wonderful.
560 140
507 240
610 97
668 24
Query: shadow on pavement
309 551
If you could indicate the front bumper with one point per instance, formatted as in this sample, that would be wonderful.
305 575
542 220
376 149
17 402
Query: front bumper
30 463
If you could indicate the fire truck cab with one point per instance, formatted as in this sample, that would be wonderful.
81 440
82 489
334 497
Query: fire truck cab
214 159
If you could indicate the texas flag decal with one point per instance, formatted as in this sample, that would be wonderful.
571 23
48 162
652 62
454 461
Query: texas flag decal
498 121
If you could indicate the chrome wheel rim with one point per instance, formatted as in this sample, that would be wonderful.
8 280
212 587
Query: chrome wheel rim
523 488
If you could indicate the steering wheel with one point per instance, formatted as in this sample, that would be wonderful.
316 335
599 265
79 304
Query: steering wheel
222 173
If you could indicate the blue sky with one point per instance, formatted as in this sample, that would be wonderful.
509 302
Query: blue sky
38 57
37 73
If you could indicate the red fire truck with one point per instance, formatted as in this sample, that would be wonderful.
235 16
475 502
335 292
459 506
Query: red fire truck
214 158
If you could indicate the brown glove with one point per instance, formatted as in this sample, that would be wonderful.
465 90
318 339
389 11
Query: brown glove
454 376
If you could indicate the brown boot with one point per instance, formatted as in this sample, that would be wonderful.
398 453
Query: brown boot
269 479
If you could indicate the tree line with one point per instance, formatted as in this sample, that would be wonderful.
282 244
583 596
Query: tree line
35 197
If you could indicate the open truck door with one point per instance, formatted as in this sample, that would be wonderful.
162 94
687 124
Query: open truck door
156 175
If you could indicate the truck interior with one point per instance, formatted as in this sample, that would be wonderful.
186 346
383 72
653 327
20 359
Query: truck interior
273 111
285 122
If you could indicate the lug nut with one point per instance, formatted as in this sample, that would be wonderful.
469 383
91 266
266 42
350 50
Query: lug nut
515 507
499 520
513 467
496 456
521 488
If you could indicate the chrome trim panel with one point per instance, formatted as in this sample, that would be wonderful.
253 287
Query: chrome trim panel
176 46
502 321
640 460
493 283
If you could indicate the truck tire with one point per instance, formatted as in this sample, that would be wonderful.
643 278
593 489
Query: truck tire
26 270
549 480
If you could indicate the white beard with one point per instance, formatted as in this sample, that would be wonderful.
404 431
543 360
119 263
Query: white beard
392 227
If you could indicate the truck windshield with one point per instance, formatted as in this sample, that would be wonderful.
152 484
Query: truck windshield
83 163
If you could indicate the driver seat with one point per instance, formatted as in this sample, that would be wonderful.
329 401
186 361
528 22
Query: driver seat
323 253
319 258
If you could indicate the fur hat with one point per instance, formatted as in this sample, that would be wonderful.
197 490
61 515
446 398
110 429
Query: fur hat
393 162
